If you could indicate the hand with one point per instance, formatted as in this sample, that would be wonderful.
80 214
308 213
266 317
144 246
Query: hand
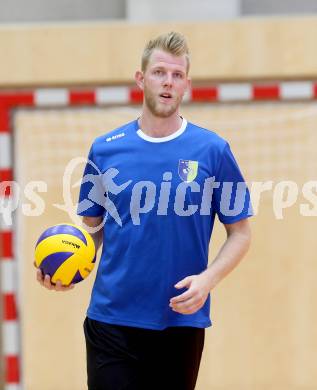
194 298
45 281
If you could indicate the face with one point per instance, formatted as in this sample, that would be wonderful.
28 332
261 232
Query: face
164 83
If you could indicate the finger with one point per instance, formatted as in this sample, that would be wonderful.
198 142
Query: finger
66 288
188 310
182 297
58 286
47 282
184 283
192 310
184 305
39 276
61 287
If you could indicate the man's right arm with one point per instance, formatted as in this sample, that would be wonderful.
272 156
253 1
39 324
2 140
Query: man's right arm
90 222
93 222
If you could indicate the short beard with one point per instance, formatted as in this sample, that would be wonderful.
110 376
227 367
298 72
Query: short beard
155 110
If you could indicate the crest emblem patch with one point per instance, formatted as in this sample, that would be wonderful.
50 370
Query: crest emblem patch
187 170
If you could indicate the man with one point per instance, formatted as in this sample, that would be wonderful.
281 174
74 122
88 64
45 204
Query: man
156 184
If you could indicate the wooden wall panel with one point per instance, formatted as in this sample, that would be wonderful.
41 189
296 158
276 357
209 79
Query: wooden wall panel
103 53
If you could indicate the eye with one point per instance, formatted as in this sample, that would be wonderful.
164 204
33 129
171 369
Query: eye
158 72
178 75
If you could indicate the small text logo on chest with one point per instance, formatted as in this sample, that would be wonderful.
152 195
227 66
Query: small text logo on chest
117 136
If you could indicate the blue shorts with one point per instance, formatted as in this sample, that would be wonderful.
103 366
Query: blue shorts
128 358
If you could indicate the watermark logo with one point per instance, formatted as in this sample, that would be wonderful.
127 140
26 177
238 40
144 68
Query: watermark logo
120 199
102 193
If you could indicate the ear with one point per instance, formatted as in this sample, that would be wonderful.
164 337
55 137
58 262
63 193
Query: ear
139 79
189 85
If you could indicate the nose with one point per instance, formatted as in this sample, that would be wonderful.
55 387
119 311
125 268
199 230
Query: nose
168 80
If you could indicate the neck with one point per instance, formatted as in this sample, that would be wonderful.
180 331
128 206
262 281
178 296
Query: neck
155 126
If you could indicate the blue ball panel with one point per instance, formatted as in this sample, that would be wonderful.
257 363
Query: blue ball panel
77 278
52 262
62 229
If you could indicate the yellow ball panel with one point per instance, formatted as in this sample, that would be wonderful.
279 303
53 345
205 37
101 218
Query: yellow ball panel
85 267
66 272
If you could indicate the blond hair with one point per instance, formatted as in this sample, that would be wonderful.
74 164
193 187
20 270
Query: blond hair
172 42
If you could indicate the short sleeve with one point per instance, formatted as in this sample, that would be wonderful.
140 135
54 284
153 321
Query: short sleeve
231 196
92 195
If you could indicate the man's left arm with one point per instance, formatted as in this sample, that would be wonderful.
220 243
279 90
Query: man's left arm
198 286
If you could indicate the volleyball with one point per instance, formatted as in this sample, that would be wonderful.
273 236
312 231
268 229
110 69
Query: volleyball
66 252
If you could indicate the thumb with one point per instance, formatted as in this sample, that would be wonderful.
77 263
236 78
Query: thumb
183 283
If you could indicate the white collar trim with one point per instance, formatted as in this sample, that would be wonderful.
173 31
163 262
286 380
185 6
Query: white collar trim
174 135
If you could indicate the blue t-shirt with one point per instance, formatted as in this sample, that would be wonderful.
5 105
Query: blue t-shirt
159 198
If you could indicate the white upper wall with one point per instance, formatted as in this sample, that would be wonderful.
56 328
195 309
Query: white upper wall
181 10
13 11
20 11
278 7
